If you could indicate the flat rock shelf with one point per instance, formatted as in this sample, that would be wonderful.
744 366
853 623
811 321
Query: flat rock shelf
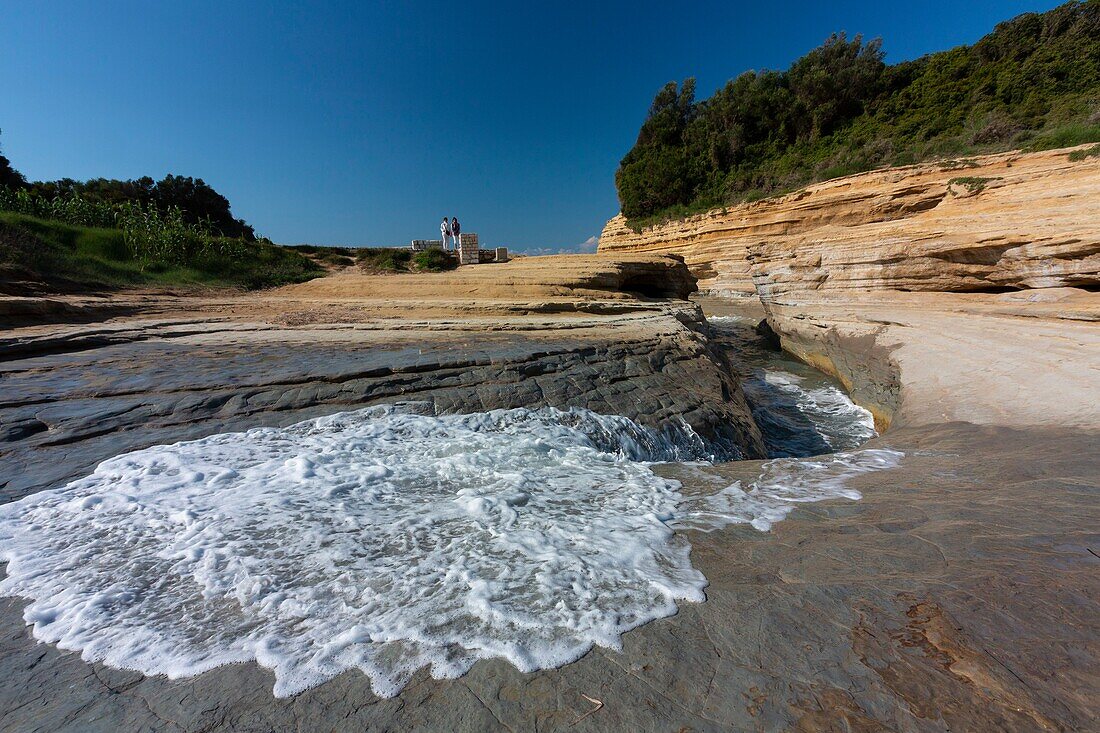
943 599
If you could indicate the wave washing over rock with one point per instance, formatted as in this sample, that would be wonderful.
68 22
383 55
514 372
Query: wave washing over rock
840 422
800 411
783 483
381 540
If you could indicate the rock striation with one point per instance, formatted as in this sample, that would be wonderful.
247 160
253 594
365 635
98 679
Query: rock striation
589 276
527 334
990 223
958 594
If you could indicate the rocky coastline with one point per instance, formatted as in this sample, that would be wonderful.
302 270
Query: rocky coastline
985 224
957 301
958 594
76 394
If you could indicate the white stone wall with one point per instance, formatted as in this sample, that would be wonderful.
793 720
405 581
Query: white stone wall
467 249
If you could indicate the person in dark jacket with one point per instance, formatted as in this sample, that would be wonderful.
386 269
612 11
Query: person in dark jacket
454 233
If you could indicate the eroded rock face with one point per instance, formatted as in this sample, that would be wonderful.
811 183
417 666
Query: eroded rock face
995 222
558 276
78 395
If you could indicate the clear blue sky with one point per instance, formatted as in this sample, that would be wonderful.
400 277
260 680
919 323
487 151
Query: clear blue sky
362 123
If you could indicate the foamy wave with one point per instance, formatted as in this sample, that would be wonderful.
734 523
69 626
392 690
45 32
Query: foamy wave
733 320
783 484
377 540
841 423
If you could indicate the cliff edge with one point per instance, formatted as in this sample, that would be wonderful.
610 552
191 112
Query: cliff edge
991 223
961 290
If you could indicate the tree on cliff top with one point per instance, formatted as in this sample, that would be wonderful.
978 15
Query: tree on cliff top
1032 82
8 175
658 172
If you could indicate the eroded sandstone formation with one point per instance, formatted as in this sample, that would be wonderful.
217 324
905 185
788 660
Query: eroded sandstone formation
158 369
587 276
990 223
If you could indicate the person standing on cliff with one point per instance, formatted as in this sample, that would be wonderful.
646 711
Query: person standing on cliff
445 230
454 233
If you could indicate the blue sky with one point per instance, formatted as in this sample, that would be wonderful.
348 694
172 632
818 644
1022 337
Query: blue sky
363 123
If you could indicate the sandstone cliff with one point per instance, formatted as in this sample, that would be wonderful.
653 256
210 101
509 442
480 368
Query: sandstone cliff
574 276
996 222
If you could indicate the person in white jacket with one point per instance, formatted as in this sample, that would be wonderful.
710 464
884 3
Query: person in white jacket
445 230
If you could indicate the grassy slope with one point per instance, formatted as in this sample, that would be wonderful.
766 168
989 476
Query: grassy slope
74 258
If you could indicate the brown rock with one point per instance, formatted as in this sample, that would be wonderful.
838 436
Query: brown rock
619 277
990 223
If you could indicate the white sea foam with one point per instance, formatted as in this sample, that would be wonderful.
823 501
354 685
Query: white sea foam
783 483
840 422
379 540
734 320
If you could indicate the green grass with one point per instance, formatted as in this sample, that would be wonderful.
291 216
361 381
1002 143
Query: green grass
1065 137
340 260
382 259
320 249
1078 155
973 184
954 165
73 257
386 259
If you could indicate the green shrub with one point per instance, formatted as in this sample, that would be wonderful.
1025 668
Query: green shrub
63 255
954 165
1079 155
1066 137
434 260
339 260
389 259
973 184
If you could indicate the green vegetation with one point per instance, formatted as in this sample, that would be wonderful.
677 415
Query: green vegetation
9 176
197 203
384 258
434 260
67 256
338 260
954 165
105 233
1079 155
973 184
1033 83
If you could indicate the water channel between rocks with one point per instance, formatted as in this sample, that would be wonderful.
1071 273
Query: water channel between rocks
388 540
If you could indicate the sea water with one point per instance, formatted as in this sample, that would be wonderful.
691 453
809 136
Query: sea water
386 540
800 411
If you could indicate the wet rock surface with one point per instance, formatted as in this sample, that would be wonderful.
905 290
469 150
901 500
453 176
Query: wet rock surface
76 397
961 592
942 601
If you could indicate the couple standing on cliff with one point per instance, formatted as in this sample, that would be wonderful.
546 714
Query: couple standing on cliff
450 229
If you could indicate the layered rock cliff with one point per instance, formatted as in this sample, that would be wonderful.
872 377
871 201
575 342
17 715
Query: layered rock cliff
996 222
85 378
